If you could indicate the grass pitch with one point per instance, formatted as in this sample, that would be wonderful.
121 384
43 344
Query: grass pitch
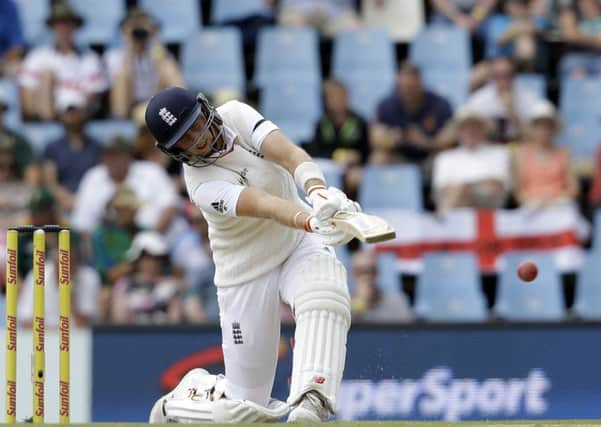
529 423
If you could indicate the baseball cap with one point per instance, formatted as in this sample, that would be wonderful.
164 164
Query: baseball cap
62 11
67 99
150 242
542 110
170 113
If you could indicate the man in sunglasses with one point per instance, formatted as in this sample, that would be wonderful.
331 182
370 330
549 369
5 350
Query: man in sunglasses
243 173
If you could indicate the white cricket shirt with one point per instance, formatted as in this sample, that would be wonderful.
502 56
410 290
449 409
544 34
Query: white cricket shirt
243 248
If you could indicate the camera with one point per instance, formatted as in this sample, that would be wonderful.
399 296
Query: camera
140 34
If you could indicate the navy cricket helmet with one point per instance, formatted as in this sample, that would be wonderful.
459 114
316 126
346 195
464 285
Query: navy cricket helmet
172 112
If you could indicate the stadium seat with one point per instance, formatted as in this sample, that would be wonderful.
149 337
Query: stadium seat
451 84
366 93
365 61
219 66
9 93
231 10
587 303
344 255
178 19
101 23
535 83
401 19
391 187
41 134
287 56
363 52
540 300
597 230
581 134
441 47
388 273
580 97
295 108
33 14
448 288
104 130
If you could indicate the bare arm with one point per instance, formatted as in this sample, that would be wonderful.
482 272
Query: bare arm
279 149
257 203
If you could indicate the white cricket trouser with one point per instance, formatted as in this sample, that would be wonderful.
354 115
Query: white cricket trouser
250 323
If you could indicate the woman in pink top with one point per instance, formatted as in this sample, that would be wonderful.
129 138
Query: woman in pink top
543 174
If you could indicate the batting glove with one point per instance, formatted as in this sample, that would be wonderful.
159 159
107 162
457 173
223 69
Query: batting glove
329 235
324 201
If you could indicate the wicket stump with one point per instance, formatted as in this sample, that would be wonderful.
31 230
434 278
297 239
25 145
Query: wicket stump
64 281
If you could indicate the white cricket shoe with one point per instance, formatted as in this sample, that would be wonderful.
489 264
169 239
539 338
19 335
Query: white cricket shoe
185 386
310 409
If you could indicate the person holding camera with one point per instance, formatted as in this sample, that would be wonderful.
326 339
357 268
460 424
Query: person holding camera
140 66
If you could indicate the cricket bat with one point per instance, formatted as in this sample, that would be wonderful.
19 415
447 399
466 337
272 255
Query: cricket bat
365 227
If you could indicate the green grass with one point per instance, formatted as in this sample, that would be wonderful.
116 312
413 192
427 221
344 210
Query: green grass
529 423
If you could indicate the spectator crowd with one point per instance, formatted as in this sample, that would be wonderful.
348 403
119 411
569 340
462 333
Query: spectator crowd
140 248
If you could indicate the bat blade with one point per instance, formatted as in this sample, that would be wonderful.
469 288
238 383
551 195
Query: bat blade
365 227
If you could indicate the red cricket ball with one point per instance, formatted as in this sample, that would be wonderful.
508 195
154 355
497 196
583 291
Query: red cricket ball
527 271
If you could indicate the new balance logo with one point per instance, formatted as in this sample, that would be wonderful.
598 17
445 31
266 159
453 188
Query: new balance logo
167 116
237 333
219 206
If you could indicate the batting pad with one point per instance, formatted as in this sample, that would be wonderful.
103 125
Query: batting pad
200 398
323 317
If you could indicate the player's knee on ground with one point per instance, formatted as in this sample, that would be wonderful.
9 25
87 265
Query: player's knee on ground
323 316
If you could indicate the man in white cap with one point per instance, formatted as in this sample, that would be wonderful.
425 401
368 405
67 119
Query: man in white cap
476 173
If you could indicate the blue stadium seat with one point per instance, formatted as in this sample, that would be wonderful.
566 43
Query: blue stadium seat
344 256
535 83
597 230
287 56
363 52
391 187
441 47
178 18
451 84
33 14
580 97
366 93
388 273
41 134
231 10
333 177
212 59
365 61
448 288
9 93
581 134
101 21
539 300
587 304
295 108
104 130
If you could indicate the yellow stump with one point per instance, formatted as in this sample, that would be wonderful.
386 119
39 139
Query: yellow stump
12 239
39 262
64 286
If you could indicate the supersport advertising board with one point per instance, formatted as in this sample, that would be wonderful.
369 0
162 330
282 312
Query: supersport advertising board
394 372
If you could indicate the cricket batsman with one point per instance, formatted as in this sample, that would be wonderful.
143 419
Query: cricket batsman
268 246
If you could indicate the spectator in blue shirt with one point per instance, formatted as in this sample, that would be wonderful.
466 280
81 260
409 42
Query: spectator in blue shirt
12 42
70 157
408 120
